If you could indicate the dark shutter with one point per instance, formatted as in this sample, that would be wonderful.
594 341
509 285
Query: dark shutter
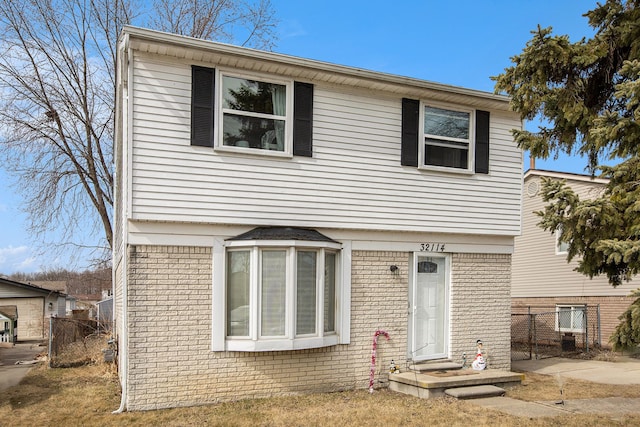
410 117
482 142
302 119
202 102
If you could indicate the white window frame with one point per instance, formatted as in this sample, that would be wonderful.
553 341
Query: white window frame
561 247
574 308
254 342
220 111
471 141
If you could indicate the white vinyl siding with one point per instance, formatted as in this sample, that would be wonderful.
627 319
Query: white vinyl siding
538 271
356 143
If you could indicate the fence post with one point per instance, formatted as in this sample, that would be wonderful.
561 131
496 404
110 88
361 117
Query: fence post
599 326
50 338
586 328
529 333
535 335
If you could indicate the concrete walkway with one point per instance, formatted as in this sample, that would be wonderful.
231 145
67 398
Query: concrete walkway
623 371
11 371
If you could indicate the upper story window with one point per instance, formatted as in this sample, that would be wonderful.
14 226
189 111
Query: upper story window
562 248
447 138
251 114
281 291
256 114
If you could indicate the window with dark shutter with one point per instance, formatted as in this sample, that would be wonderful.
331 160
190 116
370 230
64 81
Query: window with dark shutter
303 119
482 142
251 115
446 139
410 125
202 106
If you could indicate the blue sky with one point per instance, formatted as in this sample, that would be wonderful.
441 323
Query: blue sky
460 43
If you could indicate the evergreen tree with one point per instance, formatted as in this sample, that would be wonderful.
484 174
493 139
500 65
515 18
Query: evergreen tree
587 95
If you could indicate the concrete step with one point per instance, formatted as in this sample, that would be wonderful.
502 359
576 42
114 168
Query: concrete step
475 392
435 366
426 386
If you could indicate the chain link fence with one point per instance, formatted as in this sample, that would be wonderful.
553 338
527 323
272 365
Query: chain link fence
75 342
542 332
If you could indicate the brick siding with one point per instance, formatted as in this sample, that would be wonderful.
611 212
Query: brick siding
611 307
169 301
480 307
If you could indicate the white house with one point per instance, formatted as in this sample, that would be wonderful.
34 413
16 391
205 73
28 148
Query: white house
8 325
273 212
545 281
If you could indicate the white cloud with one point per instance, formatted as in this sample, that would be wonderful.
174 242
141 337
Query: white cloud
27 264
292 28
11 251
17 259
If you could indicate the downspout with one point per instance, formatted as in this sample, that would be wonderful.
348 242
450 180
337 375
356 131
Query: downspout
123 339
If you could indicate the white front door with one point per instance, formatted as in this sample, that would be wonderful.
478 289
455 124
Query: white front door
428 314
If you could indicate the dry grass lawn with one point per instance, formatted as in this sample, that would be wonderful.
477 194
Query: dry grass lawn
86 396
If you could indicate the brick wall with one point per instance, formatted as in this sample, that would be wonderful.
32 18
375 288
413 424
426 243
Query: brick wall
480 307
170 362
170 334
611 307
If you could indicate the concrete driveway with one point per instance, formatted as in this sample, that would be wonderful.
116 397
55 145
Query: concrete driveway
622 371
11 373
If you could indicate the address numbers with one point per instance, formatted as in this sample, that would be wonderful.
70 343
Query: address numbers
432 247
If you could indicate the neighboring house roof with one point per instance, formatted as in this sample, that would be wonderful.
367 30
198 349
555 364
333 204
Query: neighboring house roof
565 175
30 287
9 311
60 286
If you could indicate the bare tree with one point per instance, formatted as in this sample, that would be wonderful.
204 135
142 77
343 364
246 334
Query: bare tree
57 91
244 23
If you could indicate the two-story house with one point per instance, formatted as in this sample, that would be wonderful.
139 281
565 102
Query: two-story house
543 280
273 212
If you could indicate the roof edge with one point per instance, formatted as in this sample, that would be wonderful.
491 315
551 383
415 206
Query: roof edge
224 48
565 175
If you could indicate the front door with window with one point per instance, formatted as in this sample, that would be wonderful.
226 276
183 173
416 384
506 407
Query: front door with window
428 314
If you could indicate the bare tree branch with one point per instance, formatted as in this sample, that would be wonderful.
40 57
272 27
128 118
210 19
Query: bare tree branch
249 23
57 96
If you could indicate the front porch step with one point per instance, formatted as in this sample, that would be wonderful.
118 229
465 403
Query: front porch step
475 392
444 365
426 386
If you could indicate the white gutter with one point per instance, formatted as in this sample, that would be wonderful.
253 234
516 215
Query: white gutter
565 175
185 42
123 338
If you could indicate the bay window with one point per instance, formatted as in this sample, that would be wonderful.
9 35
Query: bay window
280 295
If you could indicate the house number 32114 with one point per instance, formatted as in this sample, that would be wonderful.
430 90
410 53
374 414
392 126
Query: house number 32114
432 247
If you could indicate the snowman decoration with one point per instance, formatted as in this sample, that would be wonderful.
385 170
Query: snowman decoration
479 363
